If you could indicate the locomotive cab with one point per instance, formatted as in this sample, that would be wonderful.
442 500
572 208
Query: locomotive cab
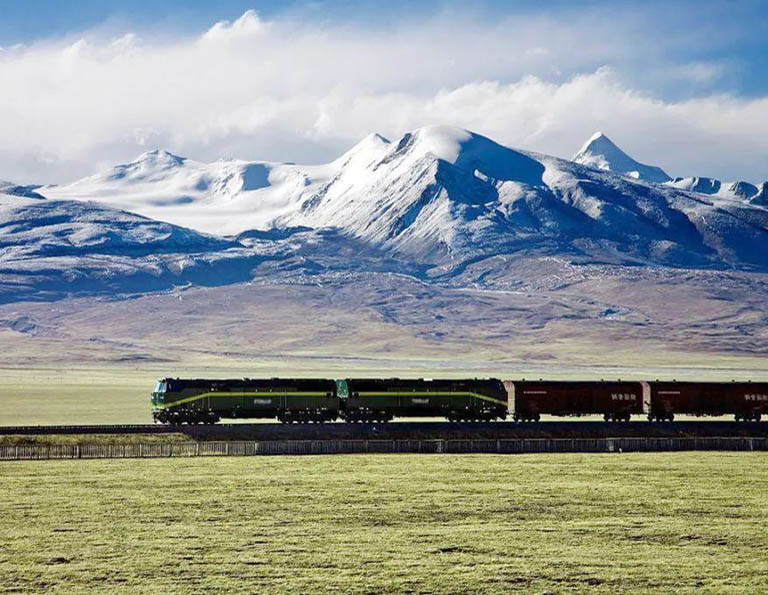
158 395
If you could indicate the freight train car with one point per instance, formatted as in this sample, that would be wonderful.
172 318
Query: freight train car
615 401
744 400
178 401
375 399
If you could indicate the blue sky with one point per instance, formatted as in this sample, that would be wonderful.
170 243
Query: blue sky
722 32
99 81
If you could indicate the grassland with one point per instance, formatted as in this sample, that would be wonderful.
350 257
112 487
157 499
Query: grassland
387 523
71 397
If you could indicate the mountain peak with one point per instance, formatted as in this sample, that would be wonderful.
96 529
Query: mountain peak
368 149
160 157
599 143
472 153
147 165
601 152
596 137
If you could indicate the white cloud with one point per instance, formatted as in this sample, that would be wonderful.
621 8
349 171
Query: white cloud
247 25
700 72
290 90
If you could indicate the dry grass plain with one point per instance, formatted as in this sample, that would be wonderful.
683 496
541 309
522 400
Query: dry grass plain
674 522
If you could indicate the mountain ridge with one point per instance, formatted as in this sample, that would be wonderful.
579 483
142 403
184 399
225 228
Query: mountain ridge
437 201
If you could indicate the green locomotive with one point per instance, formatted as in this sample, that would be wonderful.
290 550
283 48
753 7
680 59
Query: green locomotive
178 401
375 399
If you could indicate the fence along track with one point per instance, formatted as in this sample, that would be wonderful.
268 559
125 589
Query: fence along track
317 447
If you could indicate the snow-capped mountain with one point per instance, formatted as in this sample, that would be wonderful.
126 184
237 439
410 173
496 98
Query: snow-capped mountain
444 196
58 247
600 152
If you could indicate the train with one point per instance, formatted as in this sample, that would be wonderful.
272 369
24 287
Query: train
379 400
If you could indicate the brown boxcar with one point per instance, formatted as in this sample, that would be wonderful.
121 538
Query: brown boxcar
615 401
743 400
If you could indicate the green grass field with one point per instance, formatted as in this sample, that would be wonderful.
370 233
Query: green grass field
676 522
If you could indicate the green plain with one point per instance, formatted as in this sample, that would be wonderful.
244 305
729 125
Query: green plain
671 522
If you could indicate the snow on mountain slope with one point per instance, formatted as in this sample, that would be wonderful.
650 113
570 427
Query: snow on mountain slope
12 189
736 190
55 247
601 153
761 198
429 195
443 196
224 197
740 189
696 184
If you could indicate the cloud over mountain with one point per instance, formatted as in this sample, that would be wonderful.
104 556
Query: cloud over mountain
293 89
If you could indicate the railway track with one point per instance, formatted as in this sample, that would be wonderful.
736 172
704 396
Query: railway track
413 430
